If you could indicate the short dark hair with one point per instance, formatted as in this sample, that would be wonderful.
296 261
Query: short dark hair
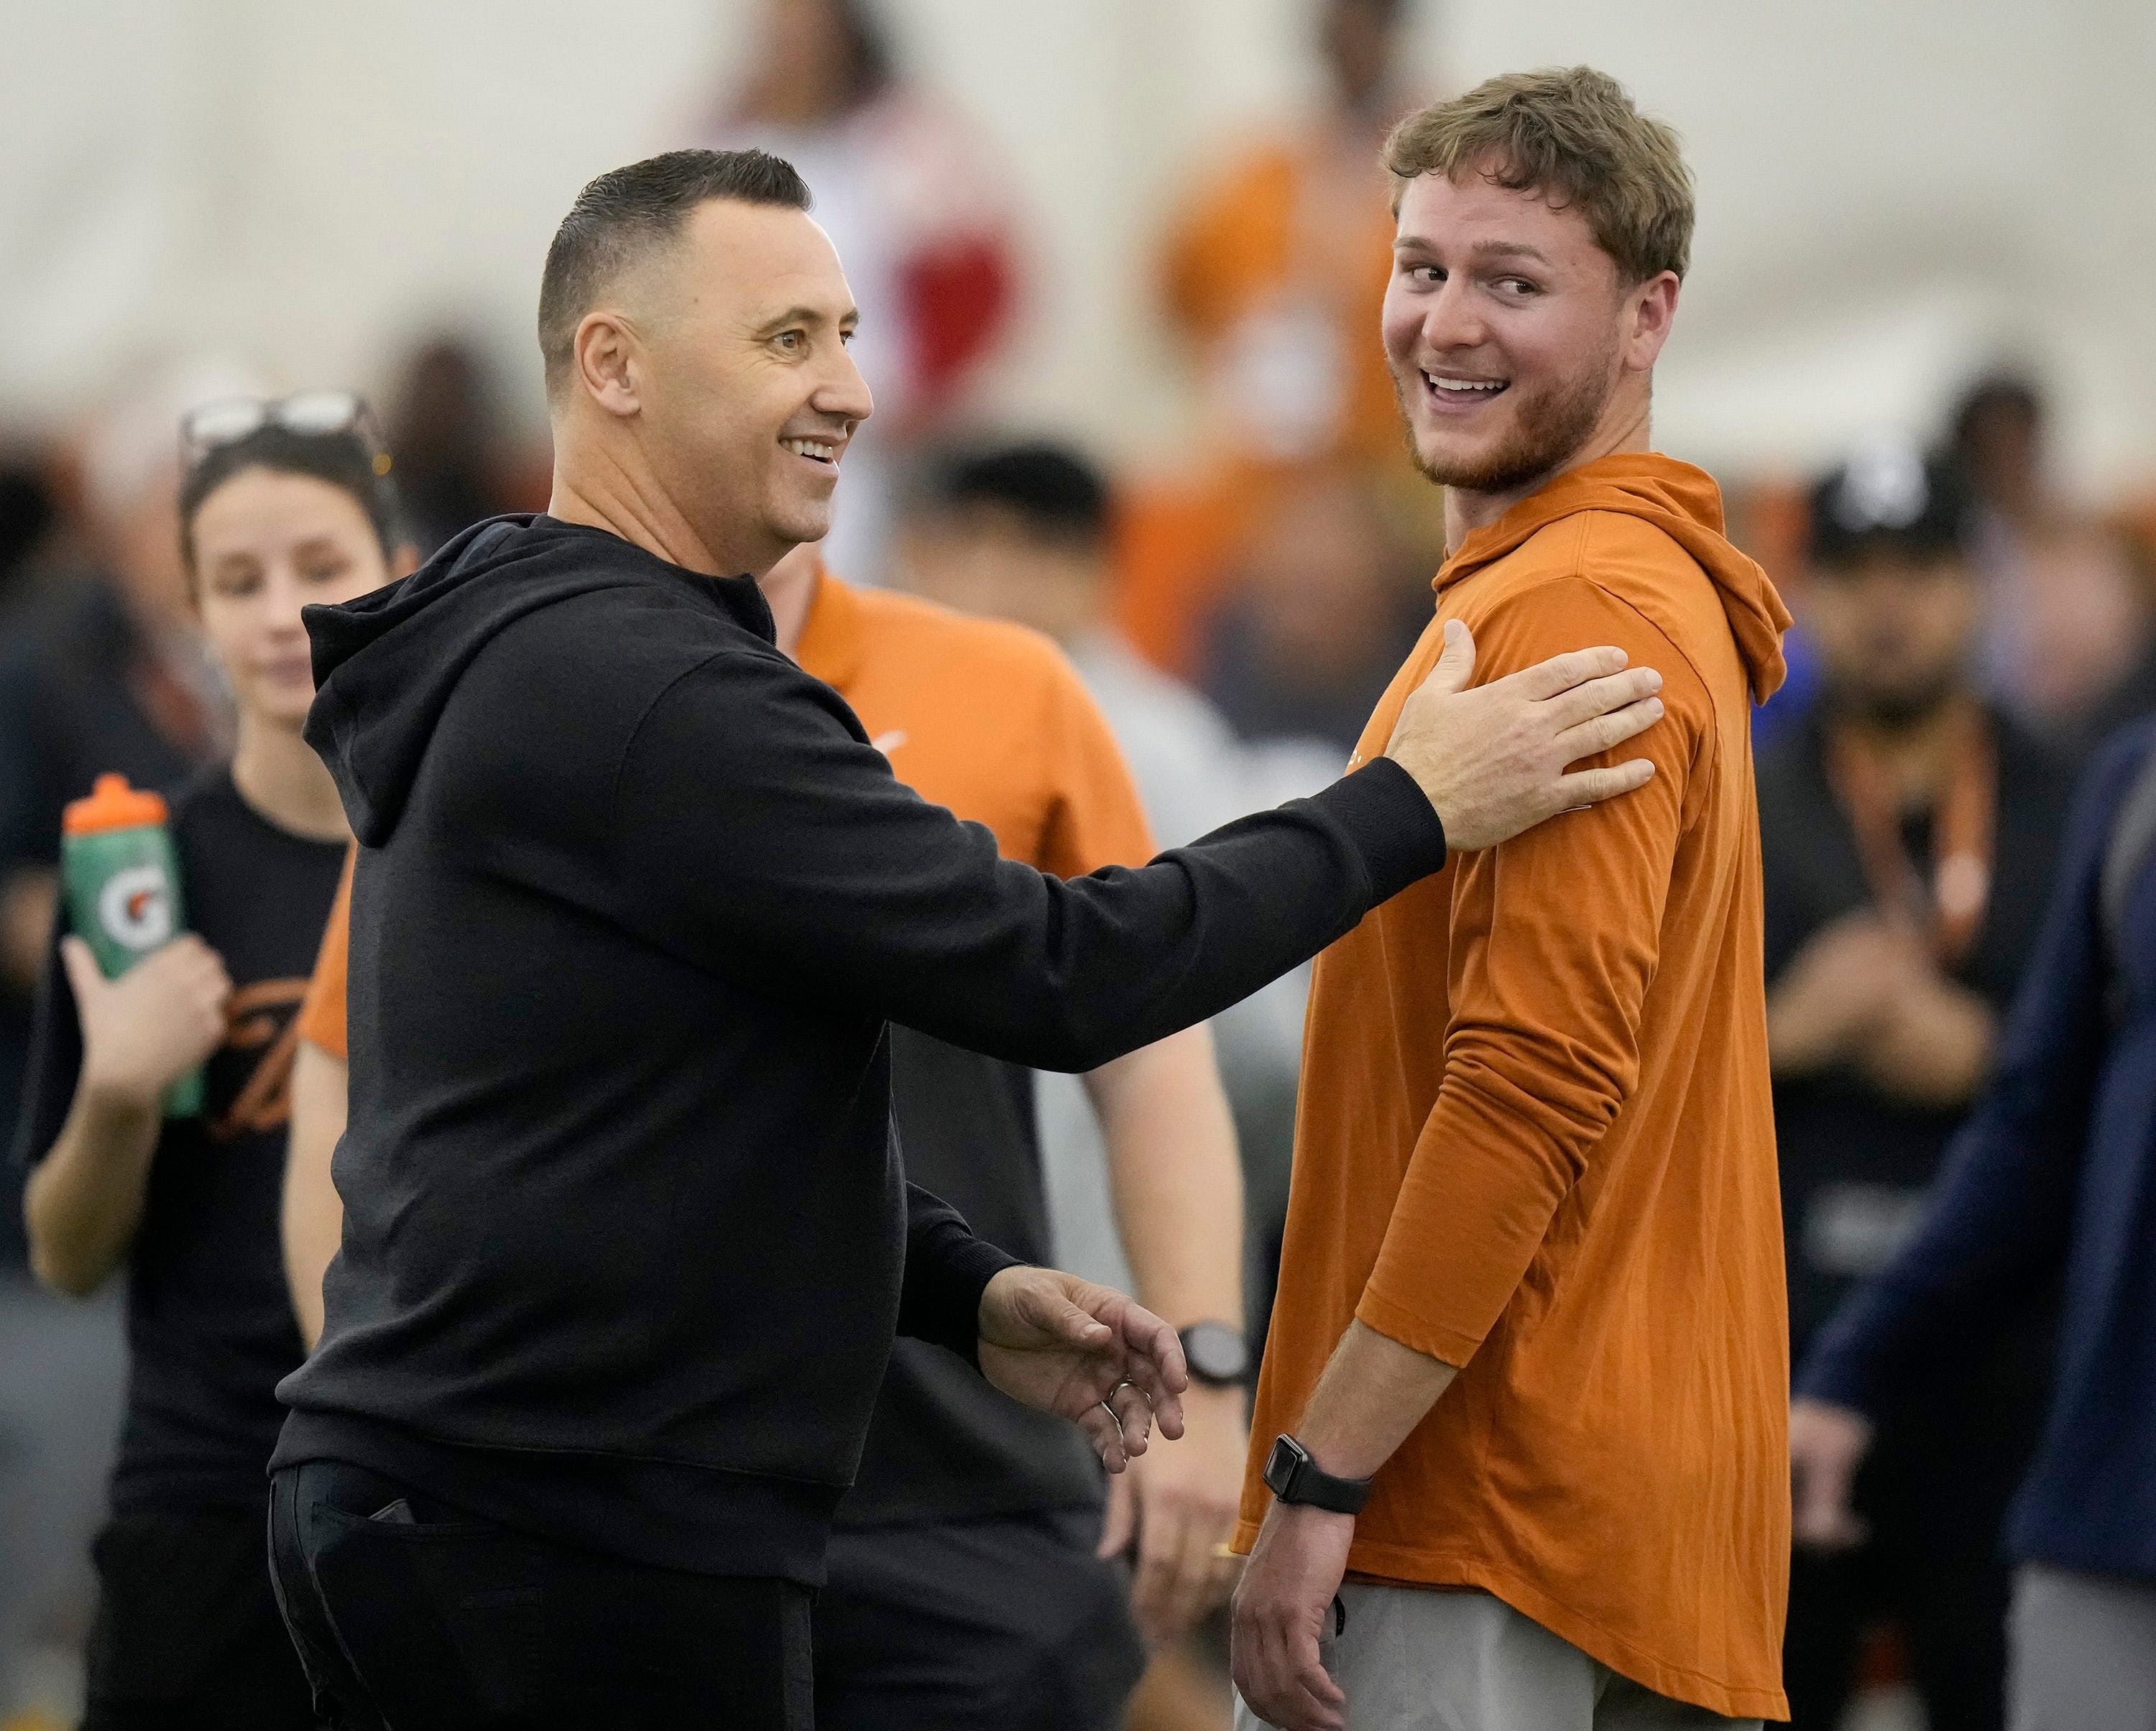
627 211
1056 492
344 460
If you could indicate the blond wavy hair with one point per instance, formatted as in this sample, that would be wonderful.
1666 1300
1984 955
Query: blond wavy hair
1572 135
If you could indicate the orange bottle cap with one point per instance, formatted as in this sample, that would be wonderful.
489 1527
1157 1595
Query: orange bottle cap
112 805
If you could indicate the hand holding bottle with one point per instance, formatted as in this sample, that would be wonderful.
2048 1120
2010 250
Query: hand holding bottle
155 1023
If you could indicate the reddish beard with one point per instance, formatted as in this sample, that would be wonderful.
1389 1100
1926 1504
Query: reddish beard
1549 426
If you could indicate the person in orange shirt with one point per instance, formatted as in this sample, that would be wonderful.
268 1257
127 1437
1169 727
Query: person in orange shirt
972 1516
1519 1455
1270 272
1273 267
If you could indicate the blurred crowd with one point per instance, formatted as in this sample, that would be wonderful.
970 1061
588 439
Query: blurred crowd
1969 630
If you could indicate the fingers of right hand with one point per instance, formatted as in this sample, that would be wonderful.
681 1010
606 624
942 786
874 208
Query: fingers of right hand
1561 673
1599 697
1315 1683
1287 1683
1590 787
1591 738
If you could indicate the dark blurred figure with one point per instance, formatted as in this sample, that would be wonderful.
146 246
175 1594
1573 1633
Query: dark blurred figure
1325 606
455 461
2052 1181
2067 647
1910 828
912 195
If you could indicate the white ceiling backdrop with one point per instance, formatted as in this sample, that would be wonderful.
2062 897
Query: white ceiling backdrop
1890 194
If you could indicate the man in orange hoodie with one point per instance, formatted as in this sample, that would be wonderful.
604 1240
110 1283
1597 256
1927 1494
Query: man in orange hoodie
1519 1457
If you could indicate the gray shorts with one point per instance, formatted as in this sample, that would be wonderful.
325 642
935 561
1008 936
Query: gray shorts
1417 1659
2080 1652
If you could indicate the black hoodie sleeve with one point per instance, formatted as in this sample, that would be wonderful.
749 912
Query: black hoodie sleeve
947 1270
758 835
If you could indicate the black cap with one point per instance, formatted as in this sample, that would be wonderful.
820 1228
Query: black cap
1887 497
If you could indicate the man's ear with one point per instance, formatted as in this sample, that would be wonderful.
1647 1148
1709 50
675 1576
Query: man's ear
604 354
1653 309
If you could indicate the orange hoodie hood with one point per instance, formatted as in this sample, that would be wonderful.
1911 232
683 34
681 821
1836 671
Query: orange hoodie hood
1683 502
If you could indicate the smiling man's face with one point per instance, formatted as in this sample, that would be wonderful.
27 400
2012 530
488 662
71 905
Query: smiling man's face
1509 331
753 395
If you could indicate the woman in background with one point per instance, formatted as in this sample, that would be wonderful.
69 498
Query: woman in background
282 505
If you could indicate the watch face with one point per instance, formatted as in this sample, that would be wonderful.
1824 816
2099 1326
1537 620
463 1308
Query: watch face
1285 1455
1216 1353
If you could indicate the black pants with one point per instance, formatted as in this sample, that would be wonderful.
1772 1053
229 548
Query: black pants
1009 1625
1934 1495
446 1623
188 1633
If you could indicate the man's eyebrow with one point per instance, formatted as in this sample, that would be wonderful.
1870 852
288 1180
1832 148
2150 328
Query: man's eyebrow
1480 248
1509 249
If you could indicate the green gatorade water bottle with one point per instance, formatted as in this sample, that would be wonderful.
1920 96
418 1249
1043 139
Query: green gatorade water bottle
122 884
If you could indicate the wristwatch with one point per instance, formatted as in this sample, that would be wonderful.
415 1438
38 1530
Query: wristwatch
1294 1477
1217 1354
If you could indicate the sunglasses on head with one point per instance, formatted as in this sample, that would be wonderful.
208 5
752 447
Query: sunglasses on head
313 414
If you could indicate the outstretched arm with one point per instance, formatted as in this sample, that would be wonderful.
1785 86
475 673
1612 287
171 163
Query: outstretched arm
786 855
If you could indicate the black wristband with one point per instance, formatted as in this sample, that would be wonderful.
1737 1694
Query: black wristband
1294 1477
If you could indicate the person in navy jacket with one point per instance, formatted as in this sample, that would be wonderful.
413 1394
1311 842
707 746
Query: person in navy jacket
2052 1181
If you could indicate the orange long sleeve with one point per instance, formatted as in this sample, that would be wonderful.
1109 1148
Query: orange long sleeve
1554 941
1535 1136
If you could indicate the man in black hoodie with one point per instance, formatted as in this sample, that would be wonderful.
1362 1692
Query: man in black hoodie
626 1237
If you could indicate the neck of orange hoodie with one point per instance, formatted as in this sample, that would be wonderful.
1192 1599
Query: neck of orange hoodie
1681 501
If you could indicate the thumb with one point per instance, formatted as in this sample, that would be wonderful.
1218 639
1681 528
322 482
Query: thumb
1455 667
84 975
1072 1322
1082 1329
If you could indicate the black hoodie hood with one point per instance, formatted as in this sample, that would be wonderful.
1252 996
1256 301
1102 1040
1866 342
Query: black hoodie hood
386 664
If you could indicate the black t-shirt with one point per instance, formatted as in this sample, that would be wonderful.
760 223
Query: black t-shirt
943 1445
209 1317
1854 1161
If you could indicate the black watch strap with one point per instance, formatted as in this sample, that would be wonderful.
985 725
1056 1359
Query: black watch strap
1294 1477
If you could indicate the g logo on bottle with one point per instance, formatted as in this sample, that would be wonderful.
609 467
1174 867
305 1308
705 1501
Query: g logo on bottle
135 908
